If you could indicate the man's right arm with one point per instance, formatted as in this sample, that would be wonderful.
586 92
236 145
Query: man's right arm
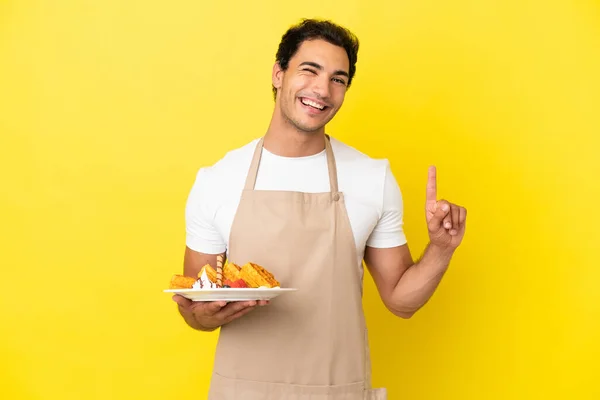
203 244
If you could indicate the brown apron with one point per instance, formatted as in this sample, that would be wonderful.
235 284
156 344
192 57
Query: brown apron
312 343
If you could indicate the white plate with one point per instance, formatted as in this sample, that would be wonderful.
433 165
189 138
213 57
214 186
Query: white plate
229 294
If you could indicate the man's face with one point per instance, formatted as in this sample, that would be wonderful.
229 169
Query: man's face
312 90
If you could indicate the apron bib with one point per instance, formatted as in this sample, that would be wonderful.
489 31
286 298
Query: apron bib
312 343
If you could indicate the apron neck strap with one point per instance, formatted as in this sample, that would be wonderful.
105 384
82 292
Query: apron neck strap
331 165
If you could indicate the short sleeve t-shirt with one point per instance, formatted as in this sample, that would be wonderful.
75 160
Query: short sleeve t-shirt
372 196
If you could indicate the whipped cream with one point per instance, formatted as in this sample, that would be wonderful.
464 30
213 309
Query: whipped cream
203 282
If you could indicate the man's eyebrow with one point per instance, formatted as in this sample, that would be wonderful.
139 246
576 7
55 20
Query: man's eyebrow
320 68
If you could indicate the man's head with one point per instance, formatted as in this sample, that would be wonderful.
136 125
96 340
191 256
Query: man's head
315 65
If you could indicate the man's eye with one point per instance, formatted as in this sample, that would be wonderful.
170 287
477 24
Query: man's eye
310 70
339 81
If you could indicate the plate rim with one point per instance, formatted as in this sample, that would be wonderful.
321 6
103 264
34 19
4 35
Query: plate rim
231 290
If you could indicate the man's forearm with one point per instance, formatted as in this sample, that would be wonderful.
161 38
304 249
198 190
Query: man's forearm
418 283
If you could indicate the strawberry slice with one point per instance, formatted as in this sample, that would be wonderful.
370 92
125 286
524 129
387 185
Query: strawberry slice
239 284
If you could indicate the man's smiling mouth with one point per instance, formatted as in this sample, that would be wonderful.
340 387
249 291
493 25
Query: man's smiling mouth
313 104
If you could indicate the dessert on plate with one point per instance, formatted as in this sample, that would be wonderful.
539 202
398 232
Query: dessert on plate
181 282
250 275
256 276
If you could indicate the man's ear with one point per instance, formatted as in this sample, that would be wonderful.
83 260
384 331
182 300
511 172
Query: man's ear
277 76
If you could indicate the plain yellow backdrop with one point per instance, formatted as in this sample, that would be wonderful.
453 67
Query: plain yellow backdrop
108 109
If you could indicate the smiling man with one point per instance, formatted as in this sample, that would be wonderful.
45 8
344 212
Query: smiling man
310 209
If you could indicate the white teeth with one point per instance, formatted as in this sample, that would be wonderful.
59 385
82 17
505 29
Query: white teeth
312 104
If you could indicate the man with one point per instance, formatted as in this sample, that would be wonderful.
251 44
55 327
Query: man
313 211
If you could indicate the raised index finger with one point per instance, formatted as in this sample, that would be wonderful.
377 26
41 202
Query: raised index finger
432 185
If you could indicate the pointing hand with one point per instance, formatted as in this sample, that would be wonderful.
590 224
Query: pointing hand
445 221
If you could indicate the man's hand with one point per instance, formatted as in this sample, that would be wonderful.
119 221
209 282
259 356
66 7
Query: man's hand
208 316
405 286
445 221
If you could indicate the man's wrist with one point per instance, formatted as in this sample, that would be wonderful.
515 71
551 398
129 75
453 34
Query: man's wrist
440 253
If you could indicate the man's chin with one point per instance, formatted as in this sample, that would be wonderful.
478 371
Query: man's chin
311 126
309 129
307 126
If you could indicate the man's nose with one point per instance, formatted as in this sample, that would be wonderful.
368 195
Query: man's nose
321 87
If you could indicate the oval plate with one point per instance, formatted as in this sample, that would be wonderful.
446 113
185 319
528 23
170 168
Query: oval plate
230 294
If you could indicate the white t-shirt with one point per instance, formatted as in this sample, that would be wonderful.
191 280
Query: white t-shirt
372 196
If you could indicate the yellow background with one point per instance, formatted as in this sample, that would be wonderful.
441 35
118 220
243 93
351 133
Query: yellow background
108 108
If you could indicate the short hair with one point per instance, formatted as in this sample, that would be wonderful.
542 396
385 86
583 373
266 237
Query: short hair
310 29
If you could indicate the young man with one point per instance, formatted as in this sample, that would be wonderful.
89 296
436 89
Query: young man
313 211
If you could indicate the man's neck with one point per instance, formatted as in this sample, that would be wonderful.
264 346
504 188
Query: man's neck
285 140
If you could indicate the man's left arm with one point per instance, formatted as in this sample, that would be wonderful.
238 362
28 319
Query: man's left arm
404 285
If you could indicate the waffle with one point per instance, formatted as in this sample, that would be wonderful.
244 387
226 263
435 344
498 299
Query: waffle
231 272
256 276
181 282
211 273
